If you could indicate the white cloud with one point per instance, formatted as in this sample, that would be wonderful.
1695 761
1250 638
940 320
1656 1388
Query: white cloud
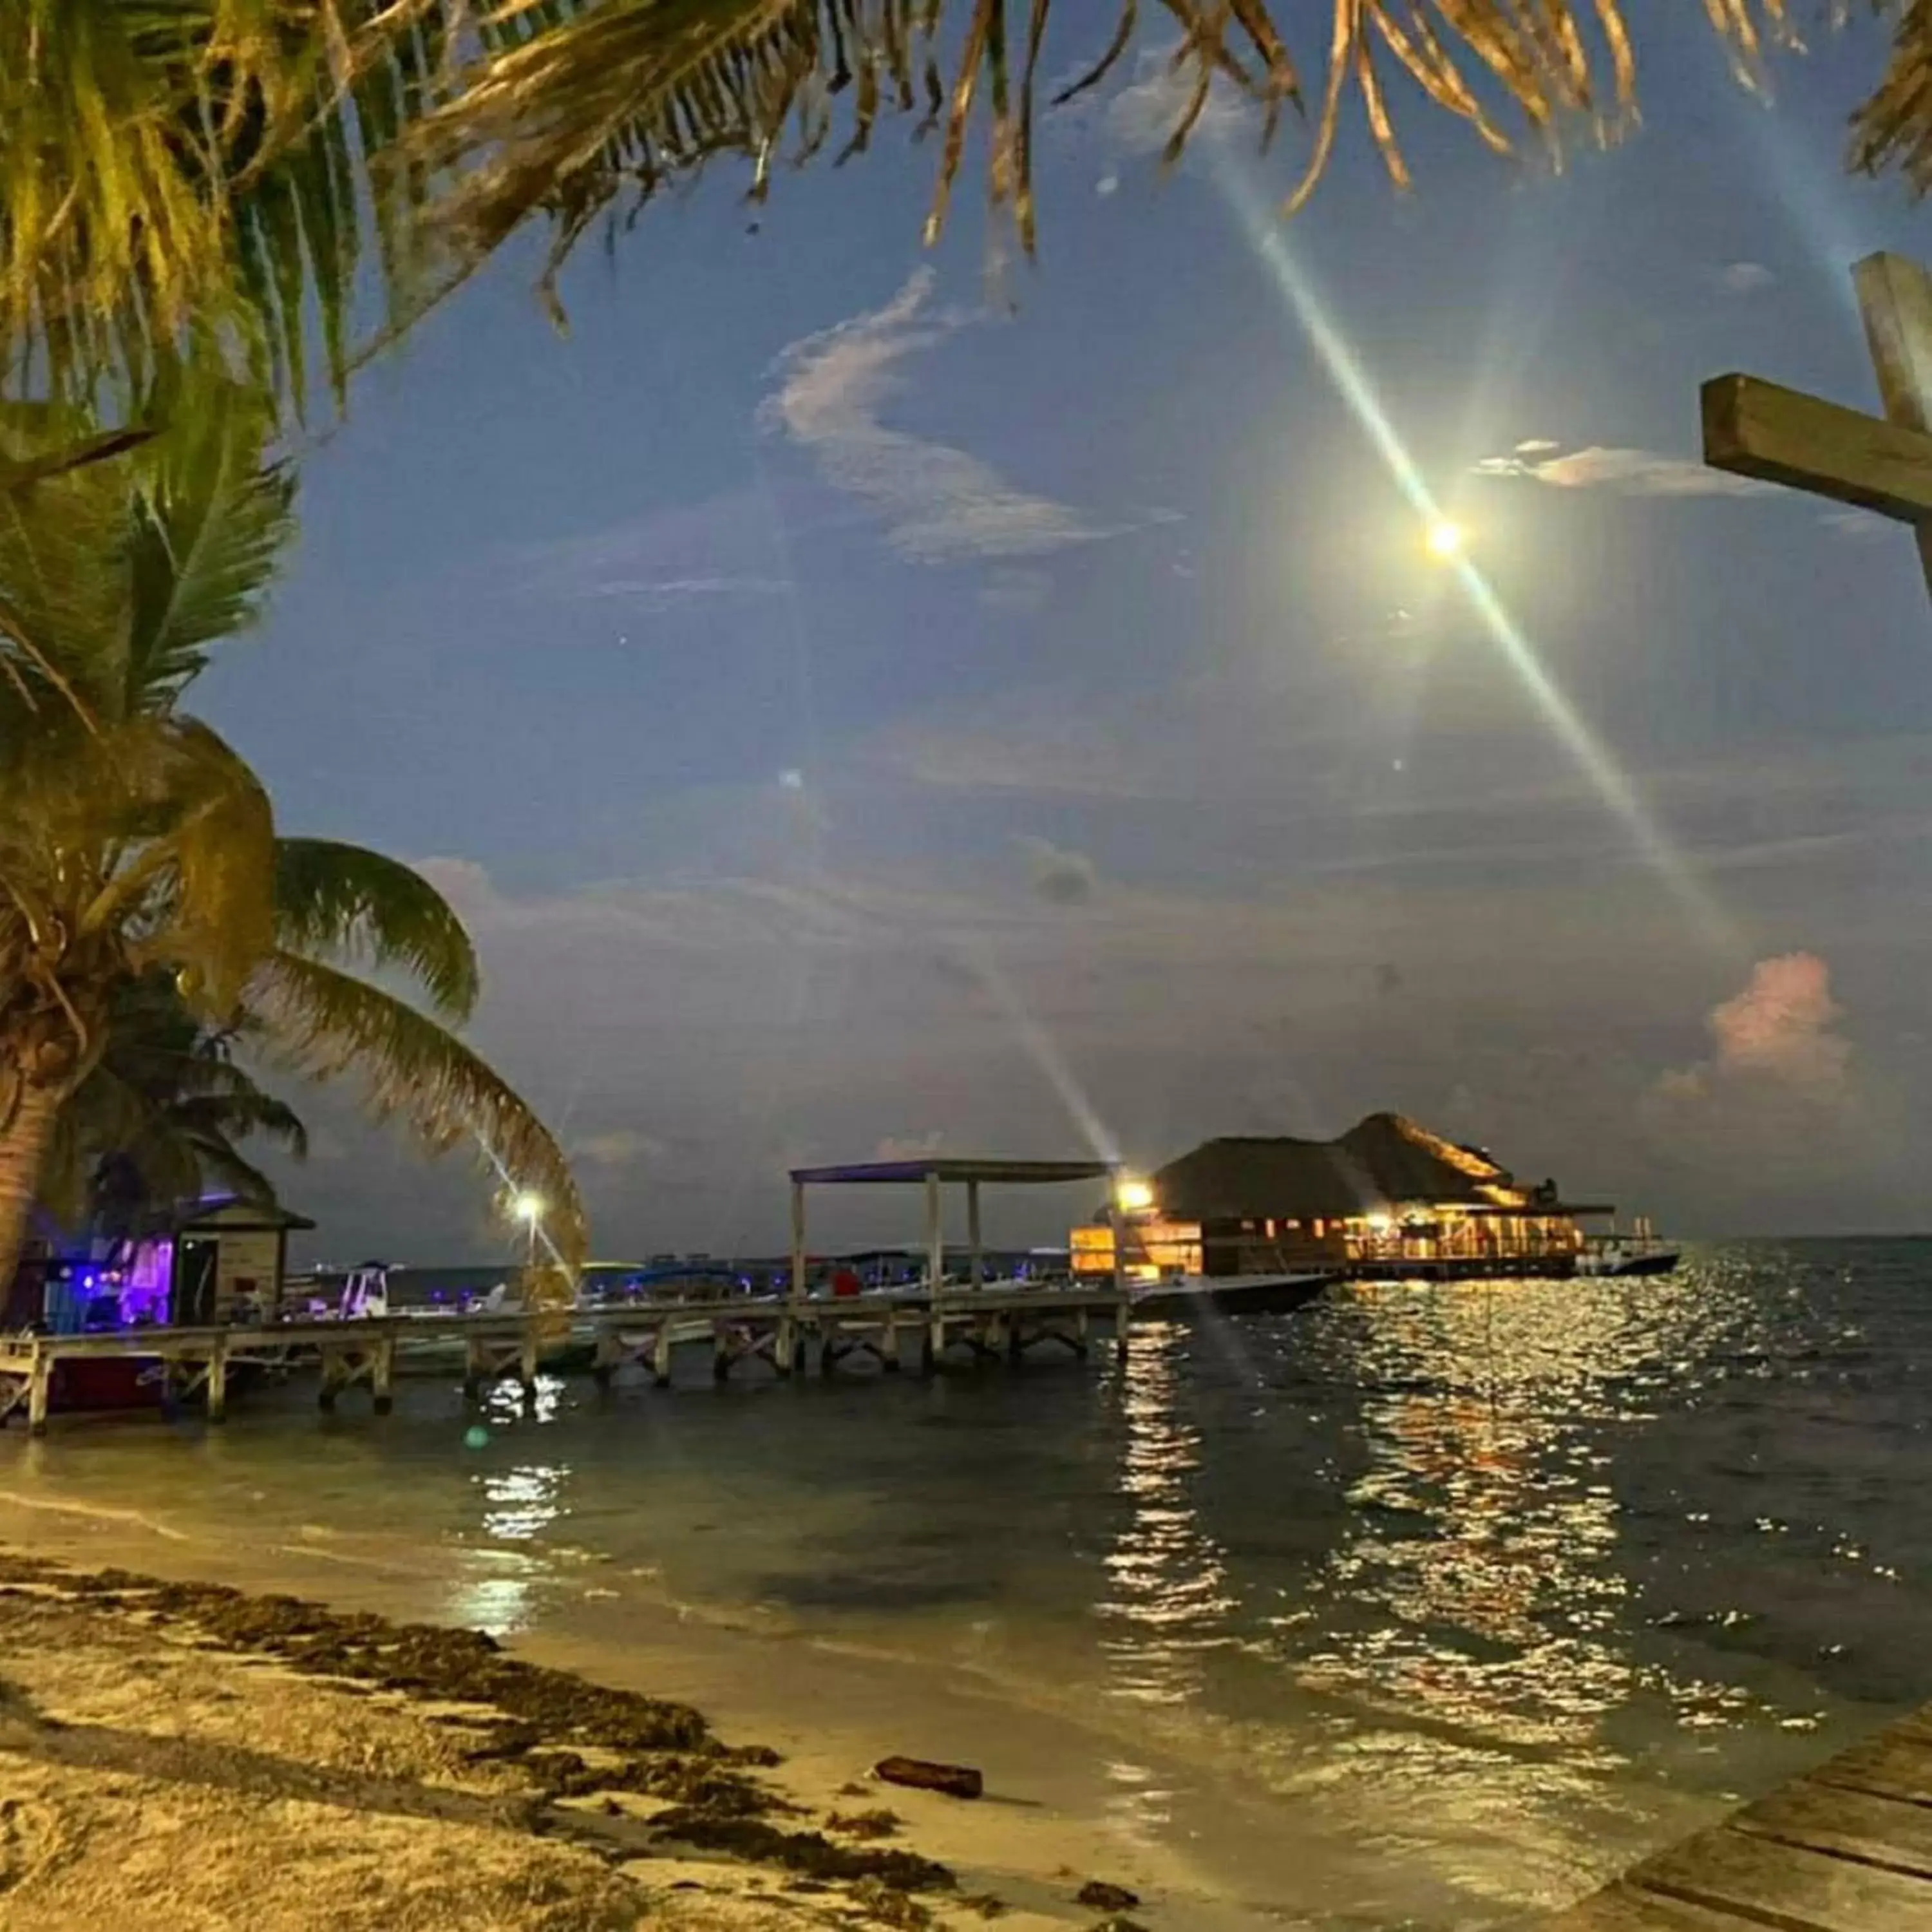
1625 472
665 559
940 504
1141 118
1537 445
1745 278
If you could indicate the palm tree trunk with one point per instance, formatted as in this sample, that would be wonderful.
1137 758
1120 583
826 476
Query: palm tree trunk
23 1152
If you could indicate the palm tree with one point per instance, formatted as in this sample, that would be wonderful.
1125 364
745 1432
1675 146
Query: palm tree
225 168
160 1117
134 842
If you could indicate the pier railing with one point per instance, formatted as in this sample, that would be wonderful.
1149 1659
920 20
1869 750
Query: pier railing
369 1351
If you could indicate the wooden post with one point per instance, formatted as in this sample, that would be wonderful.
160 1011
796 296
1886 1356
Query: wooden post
383 1375
1015 1338
935 1339
475 1366
1080 1332
527 1358
39 1388
828 1350
721 1350
888 1340
218 1379
797 1246
661 1354
332 1369
935 1238
785 1344
1895 299
973 1232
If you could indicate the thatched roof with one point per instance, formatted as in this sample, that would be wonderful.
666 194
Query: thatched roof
1379 1163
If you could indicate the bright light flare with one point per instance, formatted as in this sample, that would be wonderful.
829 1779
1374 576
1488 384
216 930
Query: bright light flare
1265 233
1131 1196
1445 540
529 1207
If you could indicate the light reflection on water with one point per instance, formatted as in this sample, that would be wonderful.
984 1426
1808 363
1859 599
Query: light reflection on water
1471 1578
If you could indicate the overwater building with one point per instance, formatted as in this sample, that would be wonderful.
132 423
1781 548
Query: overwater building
1388 1197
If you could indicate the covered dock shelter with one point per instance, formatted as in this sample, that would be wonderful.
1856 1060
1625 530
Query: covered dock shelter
935 1175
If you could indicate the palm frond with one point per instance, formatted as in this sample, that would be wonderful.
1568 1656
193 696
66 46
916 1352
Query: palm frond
63 546
326 1023
191 836
184 170
227 173
607 102
367 909
209 520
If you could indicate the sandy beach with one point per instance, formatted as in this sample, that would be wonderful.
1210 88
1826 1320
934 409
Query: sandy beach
229 1759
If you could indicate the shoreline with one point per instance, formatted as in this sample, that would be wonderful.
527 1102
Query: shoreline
466 1773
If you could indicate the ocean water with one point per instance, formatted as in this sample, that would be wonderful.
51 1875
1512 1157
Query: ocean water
1457 1597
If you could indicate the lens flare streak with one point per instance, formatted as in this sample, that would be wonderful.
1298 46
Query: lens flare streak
1263 227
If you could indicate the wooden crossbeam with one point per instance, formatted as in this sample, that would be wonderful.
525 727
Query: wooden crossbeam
1760 429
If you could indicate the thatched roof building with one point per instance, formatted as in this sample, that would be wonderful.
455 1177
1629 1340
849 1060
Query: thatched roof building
1388 1197
1380 1163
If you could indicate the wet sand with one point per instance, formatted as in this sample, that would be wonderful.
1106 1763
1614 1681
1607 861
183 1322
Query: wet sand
228 1758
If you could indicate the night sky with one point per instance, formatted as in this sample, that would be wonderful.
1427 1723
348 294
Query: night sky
868 699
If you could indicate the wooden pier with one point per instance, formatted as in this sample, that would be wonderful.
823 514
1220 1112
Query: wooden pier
1846 1848
483 1350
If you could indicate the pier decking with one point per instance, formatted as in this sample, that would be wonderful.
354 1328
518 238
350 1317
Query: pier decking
990 1321
1846 1848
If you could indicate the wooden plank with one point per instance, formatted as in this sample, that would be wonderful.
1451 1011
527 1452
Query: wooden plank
1759 429
1621 1908
1897 1763
1786 1886
1853 1823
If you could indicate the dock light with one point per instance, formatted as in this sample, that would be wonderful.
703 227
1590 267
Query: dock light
1132 1197
1380 1224
528 1209
1445 540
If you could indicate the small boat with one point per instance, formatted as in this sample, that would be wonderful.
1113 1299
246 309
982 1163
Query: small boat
1227 1294
1609 1255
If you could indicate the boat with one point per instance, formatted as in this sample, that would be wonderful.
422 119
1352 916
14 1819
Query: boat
1605 1256
1227 1293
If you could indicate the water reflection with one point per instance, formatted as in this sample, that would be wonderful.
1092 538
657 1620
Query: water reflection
520 1502
1166 1601
1167 1597
1481 1583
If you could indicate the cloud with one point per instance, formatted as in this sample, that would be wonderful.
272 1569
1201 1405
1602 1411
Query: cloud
721 550
1777 1036
1022 592
909 1147
940 504
1856 526
1059 876
1745 278
1624 473
1537 445
621 1148
1141 119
